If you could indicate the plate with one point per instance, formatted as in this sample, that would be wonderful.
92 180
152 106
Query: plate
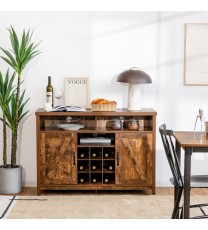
70 126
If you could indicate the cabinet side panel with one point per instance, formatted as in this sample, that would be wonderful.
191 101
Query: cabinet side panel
42 157
149 152
38 125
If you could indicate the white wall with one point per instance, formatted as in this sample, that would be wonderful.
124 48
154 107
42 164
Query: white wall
101 45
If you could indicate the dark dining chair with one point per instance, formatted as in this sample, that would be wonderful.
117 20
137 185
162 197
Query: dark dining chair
199 181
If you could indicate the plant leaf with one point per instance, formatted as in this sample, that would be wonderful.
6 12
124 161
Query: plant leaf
22 52
6 122
14 40
9 62
11 58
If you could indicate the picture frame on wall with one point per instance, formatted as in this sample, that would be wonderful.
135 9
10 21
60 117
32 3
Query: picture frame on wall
76 91
196 54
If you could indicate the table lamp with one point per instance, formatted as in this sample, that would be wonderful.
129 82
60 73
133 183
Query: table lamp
134 77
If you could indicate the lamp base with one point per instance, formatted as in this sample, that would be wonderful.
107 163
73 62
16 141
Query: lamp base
133 97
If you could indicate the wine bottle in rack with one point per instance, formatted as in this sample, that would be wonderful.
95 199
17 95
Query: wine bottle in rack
109 153
81 167
94 155
94 167
106 180
106 155
110 167
109 178
49 92
81 180
94 180
82 155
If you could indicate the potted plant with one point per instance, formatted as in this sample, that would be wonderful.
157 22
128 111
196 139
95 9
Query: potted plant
12 105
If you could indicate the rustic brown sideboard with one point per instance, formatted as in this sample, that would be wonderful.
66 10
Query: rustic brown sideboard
127 162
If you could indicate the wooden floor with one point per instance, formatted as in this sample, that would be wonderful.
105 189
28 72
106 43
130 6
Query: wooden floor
31 191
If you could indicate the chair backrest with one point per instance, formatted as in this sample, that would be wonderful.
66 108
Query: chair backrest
167 139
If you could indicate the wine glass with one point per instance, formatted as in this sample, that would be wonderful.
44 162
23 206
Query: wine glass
58 95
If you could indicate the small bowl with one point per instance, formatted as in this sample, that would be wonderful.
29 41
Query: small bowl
116 124
133 125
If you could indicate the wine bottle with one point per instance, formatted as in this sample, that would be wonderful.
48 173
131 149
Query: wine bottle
82 155
94 167
81 167
106 180
110 167
94 180
94 155
82 180
106 155
49 92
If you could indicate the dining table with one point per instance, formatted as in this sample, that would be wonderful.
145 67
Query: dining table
190 142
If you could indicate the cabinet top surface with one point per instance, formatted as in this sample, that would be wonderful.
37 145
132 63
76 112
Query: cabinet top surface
89 112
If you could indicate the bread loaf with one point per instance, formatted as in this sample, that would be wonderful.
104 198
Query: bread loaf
102 101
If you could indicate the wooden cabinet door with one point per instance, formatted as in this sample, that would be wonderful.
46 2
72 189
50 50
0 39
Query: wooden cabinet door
134 159
57 158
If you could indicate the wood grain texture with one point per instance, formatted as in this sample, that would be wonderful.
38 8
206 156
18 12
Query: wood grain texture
153 153
38 126
135 166
89 112
57 152
187 139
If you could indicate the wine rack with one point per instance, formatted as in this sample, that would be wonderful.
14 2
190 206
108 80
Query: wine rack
96 165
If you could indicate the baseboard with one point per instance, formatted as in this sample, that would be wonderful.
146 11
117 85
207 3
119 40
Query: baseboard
29 183
162 183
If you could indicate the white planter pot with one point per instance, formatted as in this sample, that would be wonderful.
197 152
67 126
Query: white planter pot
10 180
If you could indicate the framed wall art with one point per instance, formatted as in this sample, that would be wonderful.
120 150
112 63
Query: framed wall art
76 91
196 54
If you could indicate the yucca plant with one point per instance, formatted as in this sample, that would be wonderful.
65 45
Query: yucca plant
21 53
11 111
6 93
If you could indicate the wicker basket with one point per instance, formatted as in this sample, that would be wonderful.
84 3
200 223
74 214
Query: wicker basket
103 107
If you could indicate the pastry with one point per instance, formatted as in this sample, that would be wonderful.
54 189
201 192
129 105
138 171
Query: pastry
102 101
